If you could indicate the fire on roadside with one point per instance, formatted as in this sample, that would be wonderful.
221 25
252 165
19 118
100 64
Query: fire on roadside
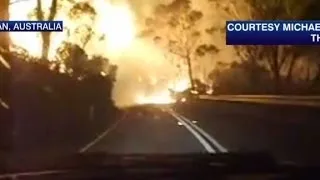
120 35
165 96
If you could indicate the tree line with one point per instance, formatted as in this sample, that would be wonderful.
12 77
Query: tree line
256 69
53 106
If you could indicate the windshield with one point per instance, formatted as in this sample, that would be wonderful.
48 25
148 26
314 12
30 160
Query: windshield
156 77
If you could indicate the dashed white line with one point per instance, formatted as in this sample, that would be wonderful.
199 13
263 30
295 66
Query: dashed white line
203 142
102 135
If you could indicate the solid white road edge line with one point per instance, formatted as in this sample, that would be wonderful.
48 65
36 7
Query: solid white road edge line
102 135
203 142
210 138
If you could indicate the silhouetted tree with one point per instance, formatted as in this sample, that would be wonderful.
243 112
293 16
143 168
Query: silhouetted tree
78 11
84 14
181 36
46 35
6 121
206 50
312 13
274 57
74 58
235 78
4 16
97 65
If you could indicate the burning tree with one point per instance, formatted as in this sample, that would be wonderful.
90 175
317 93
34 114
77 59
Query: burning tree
84 14
175 25
203 50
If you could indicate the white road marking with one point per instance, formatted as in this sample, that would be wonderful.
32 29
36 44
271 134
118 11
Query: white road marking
102 135
4 63
210 138
40 173
203 142
4 104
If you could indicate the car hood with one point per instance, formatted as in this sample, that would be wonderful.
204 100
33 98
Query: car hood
86 160
140 165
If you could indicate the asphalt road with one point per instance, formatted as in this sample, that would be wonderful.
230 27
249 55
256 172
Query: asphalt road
146 129
290 134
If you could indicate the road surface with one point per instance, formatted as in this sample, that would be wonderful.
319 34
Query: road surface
290 134
149 129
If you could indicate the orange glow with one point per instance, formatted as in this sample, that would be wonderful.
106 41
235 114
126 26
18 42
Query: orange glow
116 22
163 96
183 99
157 98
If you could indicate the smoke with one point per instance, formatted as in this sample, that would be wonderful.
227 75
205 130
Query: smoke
143 70
144 7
